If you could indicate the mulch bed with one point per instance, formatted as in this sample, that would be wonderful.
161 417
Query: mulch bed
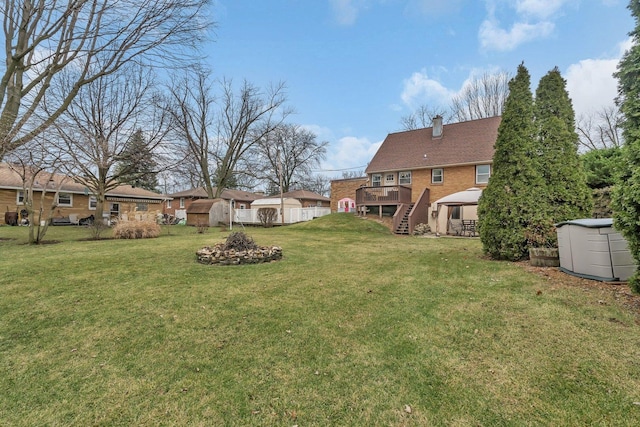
621 292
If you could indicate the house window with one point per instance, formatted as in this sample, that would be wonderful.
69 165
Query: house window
319 203
390 179
242 206
20 197
65 199
437 176
168 204
142 207
376 179
181 202
405 177
93 203
483 172
114 209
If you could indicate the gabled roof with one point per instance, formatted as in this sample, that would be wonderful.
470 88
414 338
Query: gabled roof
305 195
461 143
201 193
10 179
202 206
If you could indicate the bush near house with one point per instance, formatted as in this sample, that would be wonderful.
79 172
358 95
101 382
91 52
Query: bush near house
136 230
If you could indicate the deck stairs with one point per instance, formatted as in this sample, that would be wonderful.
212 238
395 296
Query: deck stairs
403 227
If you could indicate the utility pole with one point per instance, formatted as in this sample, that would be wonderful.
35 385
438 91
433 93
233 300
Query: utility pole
280 179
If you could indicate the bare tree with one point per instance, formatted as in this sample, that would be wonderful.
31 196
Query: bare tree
37 167
320 184
422 117
98 124
88 39
191 106
484 96
290 152
602 129
218 132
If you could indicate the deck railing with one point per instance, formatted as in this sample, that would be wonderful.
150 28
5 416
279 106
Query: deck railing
384 195
420 212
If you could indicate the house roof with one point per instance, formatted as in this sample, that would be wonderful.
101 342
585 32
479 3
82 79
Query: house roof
201 193
201 206
305 195
276 201
461 143
470 196
11 179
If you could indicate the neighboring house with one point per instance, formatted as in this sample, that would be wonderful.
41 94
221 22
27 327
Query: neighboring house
308 199
74 200
412 169
178 203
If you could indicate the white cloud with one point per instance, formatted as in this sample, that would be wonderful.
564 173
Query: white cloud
591 84
420 89
519 22
493 37
540 9
349 152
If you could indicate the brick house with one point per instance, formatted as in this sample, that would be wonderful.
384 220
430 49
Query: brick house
412 169
73 200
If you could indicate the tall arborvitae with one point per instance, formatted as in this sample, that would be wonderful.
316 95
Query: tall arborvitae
136 165
510 202
568 195
626 191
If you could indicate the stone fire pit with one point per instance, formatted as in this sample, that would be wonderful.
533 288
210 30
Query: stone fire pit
238 249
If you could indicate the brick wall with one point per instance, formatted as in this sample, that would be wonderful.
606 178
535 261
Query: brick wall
341 188
456 178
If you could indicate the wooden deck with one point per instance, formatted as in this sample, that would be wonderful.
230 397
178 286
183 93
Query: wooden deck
383 195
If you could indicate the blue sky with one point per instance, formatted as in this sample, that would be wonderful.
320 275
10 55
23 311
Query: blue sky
353 68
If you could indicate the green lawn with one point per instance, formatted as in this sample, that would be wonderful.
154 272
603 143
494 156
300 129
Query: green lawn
353 325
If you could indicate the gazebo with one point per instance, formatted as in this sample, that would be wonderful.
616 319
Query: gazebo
466 200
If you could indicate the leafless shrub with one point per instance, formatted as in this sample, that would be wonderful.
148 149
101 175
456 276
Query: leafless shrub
136 230
267 216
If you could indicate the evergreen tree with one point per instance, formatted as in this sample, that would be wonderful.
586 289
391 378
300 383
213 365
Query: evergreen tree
510 202
568 195
136 165
626 192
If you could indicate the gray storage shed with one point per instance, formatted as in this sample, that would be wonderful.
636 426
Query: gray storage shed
593 249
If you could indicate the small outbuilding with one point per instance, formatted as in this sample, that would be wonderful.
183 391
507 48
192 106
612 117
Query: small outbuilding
347 205
208 212
593 249
275 202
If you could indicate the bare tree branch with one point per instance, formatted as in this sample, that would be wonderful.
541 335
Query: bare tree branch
88 39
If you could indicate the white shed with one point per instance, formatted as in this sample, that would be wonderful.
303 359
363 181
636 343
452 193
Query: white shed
593 249
277 203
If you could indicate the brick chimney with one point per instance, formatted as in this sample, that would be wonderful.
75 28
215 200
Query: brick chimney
437 126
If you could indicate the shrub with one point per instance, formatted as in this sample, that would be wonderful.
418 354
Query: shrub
136 230
267 216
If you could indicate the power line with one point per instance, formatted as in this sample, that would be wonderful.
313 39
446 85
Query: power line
338 170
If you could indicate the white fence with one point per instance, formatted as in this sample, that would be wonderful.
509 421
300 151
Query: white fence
291 215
